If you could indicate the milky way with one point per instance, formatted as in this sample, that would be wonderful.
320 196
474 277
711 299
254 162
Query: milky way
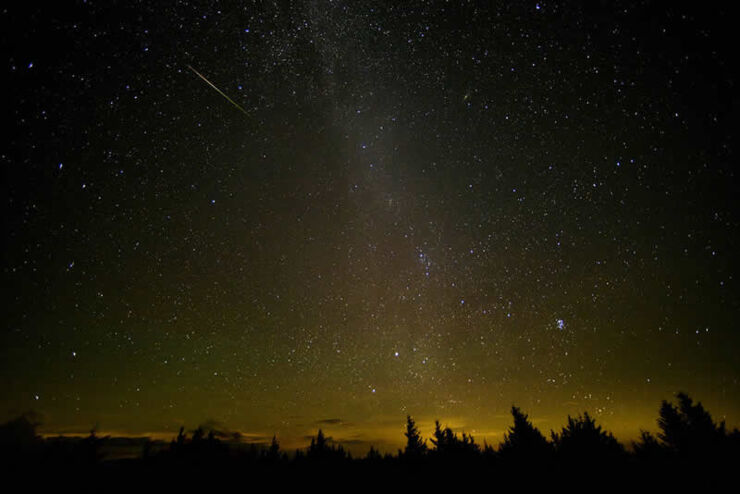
435 209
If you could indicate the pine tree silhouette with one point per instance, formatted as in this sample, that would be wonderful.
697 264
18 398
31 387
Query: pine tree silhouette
448 445
321 450
524 441
583 440
373 455
415 446
648 448
318 444
688 429
439 438
273 452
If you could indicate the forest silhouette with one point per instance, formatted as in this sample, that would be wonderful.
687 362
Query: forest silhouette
690 450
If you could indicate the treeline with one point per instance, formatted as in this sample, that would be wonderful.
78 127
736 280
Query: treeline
690 447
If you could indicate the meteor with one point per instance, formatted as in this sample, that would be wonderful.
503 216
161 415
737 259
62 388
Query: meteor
218 90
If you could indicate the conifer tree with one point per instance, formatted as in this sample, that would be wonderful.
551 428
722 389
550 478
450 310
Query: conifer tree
415 446
524 440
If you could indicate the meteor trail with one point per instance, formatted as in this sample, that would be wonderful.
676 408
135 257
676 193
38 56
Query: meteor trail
219 91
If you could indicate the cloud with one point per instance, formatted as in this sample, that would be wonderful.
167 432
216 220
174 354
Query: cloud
219 430
329 439
330 422
256 439
224 433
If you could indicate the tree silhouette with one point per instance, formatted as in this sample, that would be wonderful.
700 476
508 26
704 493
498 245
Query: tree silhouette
89 449
181 436
321 450
648 448
373 455
318 444
177 446
273 452
690 447
688 429
19 441
488 451
583 440
198 435
415 446
447 444
524 440
440 438
19 434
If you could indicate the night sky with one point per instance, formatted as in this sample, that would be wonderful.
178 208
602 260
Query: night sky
438 209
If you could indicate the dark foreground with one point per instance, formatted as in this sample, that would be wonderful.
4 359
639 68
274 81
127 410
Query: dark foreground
690 453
